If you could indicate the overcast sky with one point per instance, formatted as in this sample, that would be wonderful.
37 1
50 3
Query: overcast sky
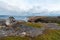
6 6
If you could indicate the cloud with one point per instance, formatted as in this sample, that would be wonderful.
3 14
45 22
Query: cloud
29 4
25 6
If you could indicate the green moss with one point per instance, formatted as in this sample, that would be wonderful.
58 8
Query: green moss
58 24
37 25
49 35
14 38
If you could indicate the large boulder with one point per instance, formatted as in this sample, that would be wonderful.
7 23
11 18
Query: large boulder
10 20
37 19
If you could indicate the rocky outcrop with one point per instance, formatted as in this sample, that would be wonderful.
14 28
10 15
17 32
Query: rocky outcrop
37 19
44 19
15 28
21 30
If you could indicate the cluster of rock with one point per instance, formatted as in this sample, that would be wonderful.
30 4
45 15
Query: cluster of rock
11 27
21 31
